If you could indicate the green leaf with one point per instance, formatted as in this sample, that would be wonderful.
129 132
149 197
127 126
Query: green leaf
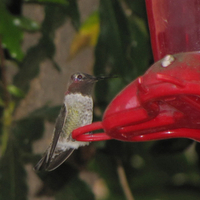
57 67
114 40
73 13
87 34
6 123
91 21
12 175
112 53
115 85
1 102
29 67
15 91
26 24
140 51
10 34
123 48
137 7
55 16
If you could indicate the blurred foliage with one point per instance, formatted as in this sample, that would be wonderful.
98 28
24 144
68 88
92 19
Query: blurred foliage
87 35
118 30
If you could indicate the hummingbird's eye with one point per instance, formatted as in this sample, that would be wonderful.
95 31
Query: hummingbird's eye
79 77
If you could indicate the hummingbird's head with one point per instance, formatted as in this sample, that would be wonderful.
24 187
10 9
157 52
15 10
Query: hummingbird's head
82 83
83 78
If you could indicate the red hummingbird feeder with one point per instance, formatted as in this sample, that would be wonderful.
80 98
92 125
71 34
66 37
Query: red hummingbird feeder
165 102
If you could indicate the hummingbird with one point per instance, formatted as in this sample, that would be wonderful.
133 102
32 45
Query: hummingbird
76 111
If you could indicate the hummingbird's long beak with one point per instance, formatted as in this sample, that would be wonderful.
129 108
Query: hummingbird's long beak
99 78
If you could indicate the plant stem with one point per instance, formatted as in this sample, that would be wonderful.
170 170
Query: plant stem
123 181
6 96
8 105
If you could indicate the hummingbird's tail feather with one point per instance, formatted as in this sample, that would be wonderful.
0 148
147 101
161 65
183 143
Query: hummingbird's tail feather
51 164
59 159
42 164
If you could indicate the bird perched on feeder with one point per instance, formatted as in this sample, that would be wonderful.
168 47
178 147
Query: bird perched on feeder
76 111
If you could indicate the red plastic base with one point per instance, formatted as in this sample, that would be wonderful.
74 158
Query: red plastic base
163 103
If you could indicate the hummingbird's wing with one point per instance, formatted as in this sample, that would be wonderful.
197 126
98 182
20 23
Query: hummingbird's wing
47 162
